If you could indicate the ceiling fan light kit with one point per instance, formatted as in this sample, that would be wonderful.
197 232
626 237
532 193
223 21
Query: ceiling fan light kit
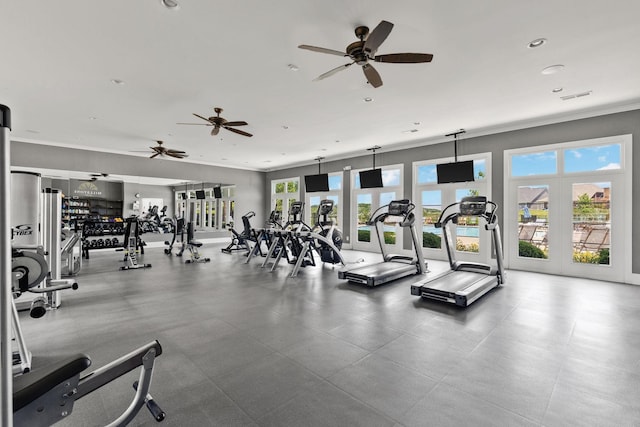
364 50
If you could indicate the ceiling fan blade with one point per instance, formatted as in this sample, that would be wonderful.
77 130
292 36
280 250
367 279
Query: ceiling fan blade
238 131
200 117
377 36
404 58
175 152
154 155
322 50
372 75
196 124
177 155
332 72
215 130
239 123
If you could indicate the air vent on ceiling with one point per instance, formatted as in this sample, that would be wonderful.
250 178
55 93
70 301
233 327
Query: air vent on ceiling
576 95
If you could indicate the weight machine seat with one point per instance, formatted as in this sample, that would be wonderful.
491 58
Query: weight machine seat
30 386
195 243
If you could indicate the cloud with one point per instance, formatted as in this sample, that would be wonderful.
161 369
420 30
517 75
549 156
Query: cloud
610 166
577 154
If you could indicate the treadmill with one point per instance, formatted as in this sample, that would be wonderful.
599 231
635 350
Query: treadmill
465 282
393 266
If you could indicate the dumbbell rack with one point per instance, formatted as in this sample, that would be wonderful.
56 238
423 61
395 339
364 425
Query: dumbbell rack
101 235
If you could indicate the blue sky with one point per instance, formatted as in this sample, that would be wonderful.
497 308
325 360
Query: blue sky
584 159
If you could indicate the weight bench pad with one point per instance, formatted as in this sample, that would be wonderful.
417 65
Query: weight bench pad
30 386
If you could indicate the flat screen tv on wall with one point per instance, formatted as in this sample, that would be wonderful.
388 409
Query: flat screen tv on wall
455 172
217 192
371 178
200 194
315 183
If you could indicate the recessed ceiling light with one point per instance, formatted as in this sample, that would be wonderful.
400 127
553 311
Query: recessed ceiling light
337 141
536 43
93 118
367 99
170 4
410 131
556 90
285 127
117 81
552 69
416 123
293 67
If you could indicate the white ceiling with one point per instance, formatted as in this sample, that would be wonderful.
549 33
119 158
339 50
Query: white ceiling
58 60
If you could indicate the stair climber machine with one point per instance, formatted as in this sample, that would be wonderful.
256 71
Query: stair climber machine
286 243
325 239
465 282
266 235
392 266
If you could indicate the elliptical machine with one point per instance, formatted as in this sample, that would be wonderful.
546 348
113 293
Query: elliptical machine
327 229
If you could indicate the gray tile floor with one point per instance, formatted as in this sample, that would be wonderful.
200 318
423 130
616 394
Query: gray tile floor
244 346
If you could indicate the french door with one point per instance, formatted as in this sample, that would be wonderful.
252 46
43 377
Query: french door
570 217
365 201
472 242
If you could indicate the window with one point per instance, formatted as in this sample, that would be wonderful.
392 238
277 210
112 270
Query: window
597 158
543 163
365 201
471 242
334 193
283 193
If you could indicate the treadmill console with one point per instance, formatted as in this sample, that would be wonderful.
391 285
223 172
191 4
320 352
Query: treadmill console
398 207
473 205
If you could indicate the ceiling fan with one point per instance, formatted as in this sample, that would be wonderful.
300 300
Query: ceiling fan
364 50
219 122
95 176
160 150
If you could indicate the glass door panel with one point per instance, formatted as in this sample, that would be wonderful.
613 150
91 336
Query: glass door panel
591 219
533 221
225 218
467 230
390 226
364 201
431 210
314 204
